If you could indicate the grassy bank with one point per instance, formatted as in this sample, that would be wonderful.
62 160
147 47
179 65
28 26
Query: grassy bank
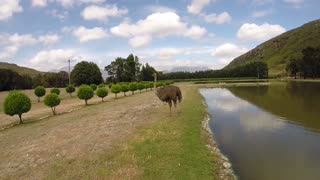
170 148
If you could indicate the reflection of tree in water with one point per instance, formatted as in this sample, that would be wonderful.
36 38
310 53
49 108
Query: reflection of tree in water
296 101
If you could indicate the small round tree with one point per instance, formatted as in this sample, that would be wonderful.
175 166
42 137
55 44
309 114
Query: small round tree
140 86
85 92
133 87
102 92
115 89
93 86
16 103
70 89
124 89
39 91
52 100
150 84
55 90
101 85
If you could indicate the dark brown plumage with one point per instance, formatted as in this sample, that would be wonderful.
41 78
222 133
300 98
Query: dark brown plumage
169 94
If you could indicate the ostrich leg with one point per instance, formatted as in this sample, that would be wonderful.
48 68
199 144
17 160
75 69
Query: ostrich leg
170 105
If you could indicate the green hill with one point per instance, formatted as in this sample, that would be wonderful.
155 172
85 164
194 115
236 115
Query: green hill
20 70
279 50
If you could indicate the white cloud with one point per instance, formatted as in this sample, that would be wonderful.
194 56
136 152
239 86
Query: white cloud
227 52
294 3
254 32
102 13
39 3
49 39
21 40
217 18
196 6
60 14
70 3
139 41
160 25
86 34
8 52
51 59
8 8
159 9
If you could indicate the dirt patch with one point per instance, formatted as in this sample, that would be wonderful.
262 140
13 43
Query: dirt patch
27 151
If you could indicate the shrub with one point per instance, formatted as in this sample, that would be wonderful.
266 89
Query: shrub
102 92
93 86
52 100
55 90
160 84
16 103
133 87
150 84
140 86
85 92
115 89
124 89
101 85
39 91
70 89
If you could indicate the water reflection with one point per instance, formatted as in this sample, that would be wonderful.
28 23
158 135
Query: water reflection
260 143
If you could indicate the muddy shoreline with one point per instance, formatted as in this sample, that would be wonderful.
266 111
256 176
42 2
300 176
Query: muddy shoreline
224 167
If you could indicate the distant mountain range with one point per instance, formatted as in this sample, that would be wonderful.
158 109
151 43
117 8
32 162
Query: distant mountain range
19 69
278 51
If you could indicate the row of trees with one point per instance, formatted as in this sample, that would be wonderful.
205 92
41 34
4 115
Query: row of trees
11 80
256 69
17 103
308 66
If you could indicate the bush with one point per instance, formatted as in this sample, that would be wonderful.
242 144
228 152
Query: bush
133 87
93 86
85 92
39 91
124 89
55 90
52 100
140 86
102 92
150 84
160 84
16 103
70 89
115 89
101 85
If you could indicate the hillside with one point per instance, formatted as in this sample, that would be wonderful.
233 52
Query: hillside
20 70
279 50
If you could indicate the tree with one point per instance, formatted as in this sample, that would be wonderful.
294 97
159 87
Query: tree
93 86
292 68
133 87
10 80
85 92
140 86
147 73
55 90
70 89
86 73
16 103
124 89
101 85
124 70
39 91
52 100
102 92
115 89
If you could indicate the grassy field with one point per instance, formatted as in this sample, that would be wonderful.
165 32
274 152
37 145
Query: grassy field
128 138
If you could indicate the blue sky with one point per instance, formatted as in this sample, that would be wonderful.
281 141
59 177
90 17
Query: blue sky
167 34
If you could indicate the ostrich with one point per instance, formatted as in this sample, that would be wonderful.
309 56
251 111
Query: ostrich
168 93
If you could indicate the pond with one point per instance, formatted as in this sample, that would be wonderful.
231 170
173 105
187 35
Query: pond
268 132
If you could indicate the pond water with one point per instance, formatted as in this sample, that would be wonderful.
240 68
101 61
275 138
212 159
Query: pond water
268 132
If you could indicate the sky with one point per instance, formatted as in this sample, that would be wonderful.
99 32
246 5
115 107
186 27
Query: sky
167 34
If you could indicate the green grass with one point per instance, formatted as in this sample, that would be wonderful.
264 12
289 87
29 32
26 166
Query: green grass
171 148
